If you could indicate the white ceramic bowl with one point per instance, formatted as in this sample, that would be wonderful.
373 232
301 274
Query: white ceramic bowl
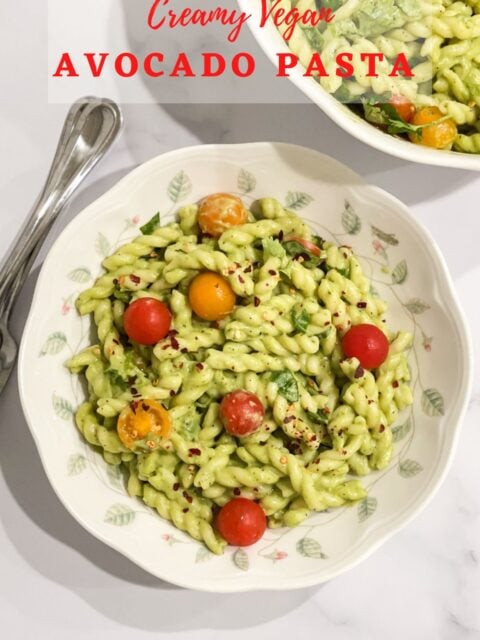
408 271
270 40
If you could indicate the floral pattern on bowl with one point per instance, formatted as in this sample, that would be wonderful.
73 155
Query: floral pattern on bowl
405 268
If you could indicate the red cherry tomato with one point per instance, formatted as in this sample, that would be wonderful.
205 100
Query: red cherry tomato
308 244
367 343
241 522
241 413
147 321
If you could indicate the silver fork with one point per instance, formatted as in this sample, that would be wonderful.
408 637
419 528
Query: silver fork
92 124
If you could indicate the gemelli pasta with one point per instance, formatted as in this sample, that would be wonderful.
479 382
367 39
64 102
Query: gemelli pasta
440 38
228 371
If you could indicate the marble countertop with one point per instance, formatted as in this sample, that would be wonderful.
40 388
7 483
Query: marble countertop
57 581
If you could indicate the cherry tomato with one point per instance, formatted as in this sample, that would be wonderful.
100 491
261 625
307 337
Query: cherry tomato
141 418
220 212
147 320
308 244
367 343
211 296
241 522
241 413
438 136
403 106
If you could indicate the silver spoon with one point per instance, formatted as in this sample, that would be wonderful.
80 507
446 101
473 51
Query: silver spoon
92 124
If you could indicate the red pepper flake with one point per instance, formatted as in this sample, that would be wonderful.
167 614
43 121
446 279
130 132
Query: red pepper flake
313 438
186 510
172 332
176 486
256 301
184 350
172 393
325 324
199 366
216 324
145 407
236 491
288 419
326 410
187 497
359 371
381 428
395 384
174 343
336 314
248 269
272 272
194 452
237 264
134 405
241 280
362 305
135 279
134 391
115 341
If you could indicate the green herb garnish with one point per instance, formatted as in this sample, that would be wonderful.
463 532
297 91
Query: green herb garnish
300 319
287 385
150 226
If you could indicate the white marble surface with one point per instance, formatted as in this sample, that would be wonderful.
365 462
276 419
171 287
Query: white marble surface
56 581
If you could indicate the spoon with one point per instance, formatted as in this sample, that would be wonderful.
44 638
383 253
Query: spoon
91 126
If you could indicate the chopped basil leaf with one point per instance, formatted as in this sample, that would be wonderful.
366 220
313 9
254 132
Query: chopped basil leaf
117 379
150 226
287 385
300 319
319 418
294 248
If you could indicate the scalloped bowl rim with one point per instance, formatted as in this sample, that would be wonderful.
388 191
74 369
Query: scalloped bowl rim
271 42
457 411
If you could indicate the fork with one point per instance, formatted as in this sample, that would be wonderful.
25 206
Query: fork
91 126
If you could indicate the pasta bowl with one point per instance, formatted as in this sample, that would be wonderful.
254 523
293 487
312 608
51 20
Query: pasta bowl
406 269
273 44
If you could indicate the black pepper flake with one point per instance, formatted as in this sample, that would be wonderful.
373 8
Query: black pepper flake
326 323
134 390
145 407
135 279
184 350
176 486
199 366
288 419
272 272
172 393
359 371
395 384
236 491
280 235
115 281
185 510
336 314
248 269
294 448
256 301
362 305
131 379
194 452
241 280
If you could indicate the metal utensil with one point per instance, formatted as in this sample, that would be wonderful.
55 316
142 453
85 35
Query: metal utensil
92 124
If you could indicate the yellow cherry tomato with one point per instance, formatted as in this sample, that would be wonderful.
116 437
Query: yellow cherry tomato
219 212
211 296
142 418
438 136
